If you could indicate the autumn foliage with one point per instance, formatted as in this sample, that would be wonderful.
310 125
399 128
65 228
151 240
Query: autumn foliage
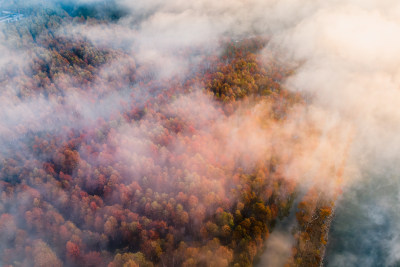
145 184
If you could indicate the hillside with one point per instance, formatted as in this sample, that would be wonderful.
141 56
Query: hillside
111 158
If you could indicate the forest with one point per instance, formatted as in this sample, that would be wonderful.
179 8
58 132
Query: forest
106 162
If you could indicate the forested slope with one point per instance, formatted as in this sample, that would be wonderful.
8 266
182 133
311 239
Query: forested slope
107 164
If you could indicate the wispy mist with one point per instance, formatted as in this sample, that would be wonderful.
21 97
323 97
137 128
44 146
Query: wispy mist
344 55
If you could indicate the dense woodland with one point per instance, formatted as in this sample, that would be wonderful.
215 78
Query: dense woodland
80 192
